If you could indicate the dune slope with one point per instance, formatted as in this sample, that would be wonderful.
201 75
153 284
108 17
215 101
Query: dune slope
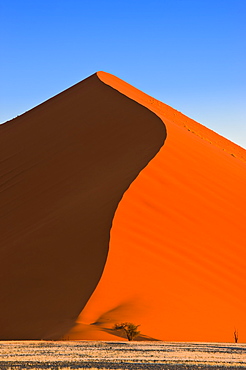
64 168
177 256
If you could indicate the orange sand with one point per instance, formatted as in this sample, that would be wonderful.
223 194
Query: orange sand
64 168
177 257
176 262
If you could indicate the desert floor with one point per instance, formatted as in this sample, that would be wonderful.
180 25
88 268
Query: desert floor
66 355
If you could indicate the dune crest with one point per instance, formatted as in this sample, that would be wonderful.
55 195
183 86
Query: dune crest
64 168
176 262
88 170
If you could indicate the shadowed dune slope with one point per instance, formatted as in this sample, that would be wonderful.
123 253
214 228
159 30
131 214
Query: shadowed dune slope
64 168
177 256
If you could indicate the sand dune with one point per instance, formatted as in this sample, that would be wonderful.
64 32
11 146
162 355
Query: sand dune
176 262
64 168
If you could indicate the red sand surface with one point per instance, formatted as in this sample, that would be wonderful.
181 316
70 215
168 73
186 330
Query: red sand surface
176 263
177 255
64 168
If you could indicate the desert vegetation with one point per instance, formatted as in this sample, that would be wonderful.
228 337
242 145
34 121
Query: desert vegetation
80 355
235 336
129 328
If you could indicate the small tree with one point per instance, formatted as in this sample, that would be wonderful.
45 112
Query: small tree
129 329
236 336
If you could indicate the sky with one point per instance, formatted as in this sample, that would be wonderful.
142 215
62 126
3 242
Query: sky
190 54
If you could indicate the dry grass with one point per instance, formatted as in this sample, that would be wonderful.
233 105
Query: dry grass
82 355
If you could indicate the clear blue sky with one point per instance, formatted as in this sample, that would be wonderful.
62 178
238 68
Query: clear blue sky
190 54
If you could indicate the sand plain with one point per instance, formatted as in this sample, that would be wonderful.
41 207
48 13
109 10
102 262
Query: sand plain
36 355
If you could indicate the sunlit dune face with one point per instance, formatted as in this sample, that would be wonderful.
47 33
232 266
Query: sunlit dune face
177 255
104 165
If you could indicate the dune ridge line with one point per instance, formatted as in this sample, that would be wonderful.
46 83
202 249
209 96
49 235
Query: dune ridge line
65 165
176 262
